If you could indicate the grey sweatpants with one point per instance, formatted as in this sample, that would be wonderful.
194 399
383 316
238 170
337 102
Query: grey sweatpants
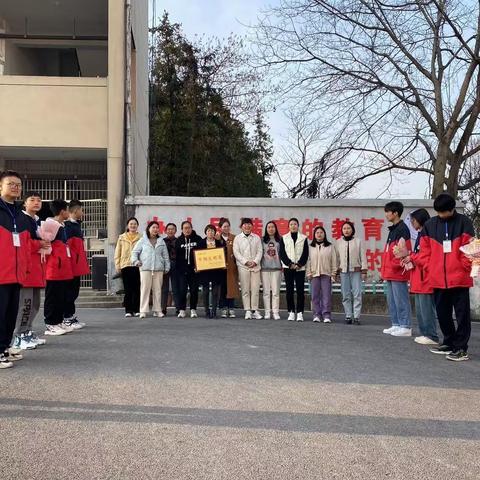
28 308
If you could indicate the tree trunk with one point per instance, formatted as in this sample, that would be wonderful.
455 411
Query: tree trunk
444 154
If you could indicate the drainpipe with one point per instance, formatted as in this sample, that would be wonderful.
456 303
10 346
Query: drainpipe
129 188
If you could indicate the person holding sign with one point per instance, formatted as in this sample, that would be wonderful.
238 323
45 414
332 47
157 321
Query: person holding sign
213 252
248 251
449 274
14 241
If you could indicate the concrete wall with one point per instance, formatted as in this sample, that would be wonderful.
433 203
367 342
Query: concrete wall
53 112
141 96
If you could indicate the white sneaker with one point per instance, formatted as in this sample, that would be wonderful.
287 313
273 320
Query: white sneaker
267 315
23 342
224 313
137 314
158 314
390 330
142 315
181 314
316 319
257 315
74 323
299 317
5 362
14 354
65 326
276 316
425 341
193 313
291 317
327 320
248 315
128 315
231 314
402 332
54 330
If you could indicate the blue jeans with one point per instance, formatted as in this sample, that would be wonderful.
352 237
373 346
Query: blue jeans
352 293
426 315
398 300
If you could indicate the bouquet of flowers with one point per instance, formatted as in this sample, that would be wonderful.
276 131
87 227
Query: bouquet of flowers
48 231
472 252
400 251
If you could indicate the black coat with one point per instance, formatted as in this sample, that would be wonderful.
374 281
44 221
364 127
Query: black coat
216 276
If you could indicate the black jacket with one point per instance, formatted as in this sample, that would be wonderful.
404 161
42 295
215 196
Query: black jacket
184 261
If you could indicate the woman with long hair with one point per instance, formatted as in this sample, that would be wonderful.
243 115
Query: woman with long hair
271 271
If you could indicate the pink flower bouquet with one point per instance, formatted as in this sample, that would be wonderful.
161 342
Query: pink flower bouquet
400 251
472 251
48 231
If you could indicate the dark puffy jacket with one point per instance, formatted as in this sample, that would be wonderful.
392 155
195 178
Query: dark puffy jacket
184 248
78 255
446 270
59 265
15 260
36 272
391 268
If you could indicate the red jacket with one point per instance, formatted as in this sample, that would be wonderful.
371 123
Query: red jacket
391 268
15 260
78 257
59 265
419 278
36 273
446 270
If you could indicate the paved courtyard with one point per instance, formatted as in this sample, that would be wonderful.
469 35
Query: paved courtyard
234 399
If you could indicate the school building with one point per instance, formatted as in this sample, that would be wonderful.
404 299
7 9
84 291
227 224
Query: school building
74 103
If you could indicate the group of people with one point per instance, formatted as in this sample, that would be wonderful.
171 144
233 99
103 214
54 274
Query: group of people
434 269
32 260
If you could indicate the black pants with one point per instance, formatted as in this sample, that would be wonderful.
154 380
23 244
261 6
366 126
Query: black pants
131 285
187 281
295 280
214 298
171 277
9 297
55 301
73 290
446 301
225 302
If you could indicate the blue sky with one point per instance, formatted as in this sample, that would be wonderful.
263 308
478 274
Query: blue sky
222 17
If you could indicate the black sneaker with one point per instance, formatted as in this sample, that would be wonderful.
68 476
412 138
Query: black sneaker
348 321
459 356
356 321
442 350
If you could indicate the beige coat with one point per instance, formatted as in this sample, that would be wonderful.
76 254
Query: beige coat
123 251
322 261
356 254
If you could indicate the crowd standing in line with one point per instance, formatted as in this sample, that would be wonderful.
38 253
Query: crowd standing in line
52 256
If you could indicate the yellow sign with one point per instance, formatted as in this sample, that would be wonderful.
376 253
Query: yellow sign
209 259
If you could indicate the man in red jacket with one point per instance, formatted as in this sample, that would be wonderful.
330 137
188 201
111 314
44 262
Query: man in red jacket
58 274
25 338
449 274
15 248
395 276
73 230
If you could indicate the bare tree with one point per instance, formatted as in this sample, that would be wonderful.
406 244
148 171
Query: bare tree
402 75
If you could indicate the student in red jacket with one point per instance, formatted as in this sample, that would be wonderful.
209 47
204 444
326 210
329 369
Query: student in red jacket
58 274
15 248
74 233
24 336
421 286
449 273
394 274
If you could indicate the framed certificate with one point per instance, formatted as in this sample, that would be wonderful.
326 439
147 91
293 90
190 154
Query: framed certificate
209 259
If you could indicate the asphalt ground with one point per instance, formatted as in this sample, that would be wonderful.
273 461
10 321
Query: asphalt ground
236 399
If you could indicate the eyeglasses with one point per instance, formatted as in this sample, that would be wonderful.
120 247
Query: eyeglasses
14 185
